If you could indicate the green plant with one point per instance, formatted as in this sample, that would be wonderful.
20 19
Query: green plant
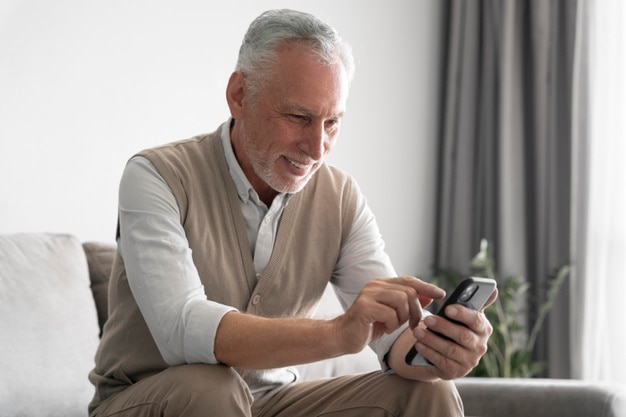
511 344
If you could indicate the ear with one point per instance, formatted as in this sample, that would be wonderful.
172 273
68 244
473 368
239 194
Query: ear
235 93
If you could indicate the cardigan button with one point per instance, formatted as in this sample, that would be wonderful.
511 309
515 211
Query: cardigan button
256 299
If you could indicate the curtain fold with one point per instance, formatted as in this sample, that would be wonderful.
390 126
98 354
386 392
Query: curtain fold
505 148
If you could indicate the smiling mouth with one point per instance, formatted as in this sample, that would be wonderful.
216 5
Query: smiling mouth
298 164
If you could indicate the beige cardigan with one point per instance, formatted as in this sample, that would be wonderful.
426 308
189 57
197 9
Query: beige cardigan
310 235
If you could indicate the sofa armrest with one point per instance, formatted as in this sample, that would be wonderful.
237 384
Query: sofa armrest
491 397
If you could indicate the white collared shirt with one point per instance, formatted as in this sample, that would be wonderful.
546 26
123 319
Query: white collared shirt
261 221
165 281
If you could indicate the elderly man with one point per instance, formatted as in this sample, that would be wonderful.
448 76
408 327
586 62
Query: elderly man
226 242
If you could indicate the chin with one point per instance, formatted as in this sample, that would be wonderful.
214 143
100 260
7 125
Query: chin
285 183
292 187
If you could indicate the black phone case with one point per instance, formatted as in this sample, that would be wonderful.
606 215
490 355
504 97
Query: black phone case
472 293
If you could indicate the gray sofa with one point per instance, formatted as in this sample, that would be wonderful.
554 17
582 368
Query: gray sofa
53 303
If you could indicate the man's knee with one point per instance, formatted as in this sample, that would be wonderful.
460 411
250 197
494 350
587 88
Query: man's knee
185 390
416 398
439 398
201 389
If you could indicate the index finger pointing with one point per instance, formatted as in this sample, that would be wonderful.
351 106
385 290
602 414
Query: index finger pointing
424 289
425 294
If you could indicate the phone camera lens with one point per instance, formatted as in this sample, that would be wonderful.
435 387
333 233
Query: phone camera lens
468 292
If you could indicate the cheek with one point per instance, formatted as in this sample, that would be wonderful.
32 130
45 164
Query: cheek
287 139
330 143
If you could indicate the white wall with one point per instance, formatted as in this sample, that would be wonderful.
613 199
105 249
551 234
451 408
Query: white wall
85 84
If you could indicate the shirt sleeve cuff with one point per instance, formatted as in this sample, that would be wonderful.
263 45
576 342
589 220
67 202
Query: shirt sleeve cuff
204 319
383 345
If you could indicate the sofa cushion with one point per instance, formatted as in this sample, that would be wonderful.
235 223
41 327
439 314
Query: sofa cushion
48 325
521 397
100 261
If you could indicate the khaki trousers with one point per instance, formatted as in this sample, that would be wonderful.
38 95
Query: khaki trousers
215 390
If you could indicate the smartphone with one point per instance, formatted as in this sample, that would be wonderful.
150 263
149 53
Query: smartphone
472 293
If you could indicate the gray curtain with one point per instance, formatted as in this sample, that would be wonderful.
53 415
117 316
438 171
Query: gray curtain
505 146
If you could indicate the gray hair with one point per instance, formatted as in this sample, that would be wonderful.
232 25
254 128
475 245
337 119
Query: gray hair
277 27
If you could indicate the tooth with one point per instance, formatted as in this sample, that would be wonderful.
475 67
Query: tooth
297 165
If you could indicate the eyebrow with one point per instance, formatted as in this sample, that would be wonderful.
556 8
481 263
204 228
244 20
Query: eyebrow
307 112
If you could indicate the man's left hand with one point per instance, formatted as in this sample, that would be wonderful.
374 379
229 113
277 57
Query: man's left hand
451 358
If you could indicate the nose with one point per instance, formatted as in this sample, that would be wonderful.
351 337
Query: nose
314 142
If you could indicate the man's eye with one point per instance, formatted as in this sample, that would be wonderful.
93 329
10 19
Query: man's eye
331 124
298 118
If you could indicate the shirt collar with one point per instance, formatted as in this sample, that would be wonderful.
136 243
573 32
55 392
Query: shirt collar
244 188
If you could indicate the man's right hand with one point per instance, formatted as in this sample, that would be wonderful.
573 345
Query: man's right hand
382 306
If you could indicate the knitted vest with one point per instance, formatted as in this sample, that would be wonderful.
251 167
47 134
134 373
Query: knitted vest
310 235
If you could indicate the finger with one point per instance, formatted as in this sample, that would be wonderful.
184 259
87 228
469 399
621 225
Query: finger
405 301
394 308
474 320
462 346
385 316
462 350
424 289
425 293
449 367
415 310
424 301
388 309
395 294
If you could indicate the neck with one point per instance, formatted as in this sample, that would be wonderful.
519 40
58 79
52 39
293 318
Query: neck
265 192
